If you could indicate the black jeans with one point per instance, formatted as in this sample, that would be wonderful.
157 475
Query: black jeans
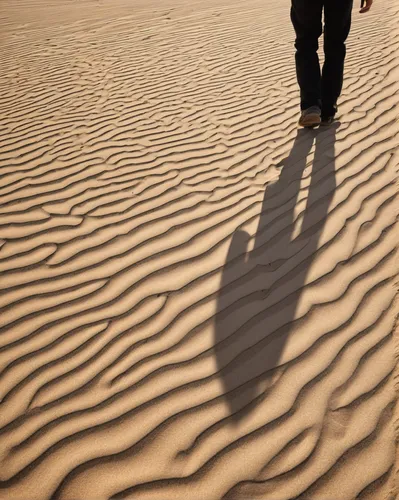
321 88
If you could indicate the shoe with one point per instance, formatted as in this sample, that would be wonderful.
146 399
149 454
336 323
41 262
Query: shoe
310 117
327 120
328 115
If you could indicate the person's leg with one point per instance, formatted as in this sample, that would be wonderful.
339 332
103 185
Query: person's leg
337 18
306 17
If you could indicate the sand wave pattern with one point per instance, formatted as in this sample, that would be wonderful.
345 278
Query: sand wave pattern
197 298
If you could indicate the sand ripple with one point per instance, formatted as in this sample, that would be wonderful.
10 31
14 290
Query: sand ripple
197 299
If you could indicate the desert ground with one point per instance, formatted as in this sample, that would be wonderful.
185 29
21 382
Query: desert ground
198 298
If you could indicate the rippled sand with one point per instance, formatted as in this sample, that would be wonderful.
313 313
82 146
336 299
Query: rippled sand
197 298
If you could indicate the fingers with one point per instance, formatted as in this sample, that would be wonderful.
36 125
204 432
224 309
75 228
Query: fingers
367 7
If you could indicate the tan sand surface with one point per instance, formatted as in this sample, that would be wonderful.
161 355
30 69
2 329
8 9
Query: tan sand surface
197 298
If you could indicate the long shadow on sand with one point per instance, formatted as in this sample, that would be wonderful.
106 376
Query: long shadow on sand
260 290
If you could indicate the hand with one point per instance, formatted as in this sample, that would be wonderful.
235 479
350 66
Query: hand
367 6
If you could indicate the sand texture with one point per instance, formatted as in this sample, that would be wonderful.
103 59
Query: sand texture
197 299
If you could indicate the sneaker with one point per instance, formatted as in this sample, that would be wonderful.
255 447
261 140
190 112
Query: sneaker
328 115
310 117
327 120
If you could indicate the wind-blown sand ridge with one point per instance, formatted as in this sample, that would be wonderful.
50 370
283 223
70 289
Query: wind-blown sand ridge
197 298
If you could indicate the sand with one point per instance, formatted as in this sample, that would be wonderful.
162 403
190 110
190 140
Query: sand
198 299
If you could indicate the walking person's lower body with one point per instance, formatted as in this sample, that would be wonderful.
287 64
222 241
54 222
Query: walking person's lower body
320 89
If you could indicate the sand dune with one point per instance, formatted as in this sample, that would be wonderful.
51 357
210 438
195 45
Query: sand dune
197 298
